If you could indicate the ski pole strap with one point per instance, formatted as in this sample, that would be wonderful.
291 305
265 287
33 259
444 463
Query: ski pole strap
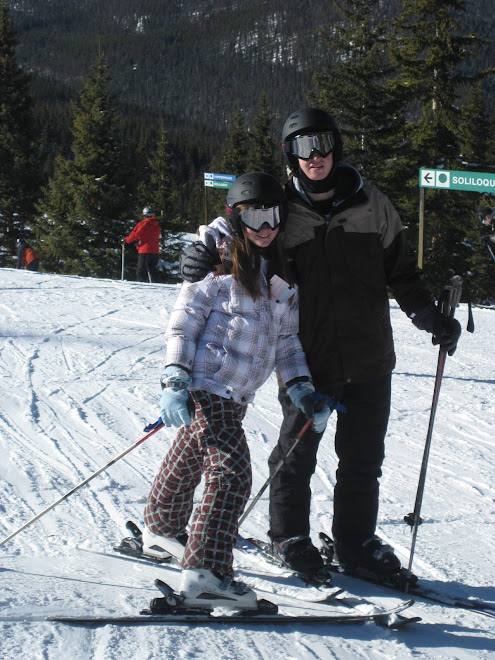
155 425
448 301
451 297
335 405
321 400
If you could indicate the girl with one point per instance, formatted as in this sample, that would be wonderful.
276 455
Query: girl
225 336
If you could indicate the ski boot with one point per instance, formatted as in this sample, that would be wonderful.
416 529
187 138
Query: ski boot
372 560
162 547
201 591
301 556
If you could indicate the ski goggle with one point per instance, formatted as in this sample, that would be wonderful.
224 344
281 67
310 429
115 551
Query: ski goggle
255 217
302 146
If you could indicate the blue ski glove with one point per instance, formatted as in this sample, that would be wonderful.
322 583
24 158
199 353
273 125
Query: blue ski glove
446 332
176 404
314 405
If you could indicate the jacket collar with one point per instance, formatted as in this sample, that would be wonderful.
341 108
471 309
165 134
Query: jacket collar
348 182
303 218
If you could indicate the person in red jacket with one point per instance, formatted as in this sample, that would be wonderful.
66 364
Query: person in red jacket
27 258
146 234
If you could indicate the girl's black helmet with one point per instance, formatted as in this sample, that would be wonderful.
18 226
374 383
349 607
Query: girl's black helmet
306 122
255 188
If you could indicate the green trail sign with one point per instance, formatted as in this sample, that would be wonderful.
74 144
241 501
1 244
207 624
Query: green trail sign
214 180
217 184
457 180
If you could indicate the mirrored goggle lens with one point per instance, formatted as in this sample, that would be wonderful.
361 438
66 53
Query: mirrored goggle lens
256 218
303 146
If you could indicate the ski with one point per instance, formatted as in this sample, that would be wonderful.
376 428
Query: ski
401 585
387 618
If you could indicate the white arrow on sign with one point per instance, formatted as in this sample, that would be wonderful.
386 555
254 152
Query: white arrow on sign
428 178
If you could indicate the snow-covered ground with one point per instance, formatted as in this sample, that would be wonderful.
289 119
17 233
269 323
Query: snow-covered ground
80 361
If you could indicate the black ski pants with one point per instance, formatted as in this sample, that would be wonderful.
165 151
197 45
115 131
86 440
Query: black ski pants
146 267
359 444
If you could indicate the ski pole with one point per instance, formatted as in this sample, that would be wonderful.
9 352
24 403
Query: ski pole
449 300
334 405
152 428
123 259
490 251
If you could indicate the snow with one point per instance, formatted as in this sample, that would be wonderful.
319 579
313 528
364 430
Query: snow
80 361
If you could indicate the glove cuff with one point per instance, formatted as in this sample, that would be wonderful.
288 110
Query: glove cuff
426 319
175 376
298 391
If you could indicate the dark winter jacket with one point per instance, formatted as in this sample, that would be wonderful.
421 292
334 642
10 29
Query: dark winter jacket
147 235
345 263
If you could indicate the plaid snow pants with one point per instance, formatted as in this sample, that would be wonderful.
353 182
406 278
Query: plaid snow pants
214 445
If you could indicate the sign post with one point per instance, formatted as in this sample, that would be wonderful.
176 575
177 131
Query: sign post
449 180
212 180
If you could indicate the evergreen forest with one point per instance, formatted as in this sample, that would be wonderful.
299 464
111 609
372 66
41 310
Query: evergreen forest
108 107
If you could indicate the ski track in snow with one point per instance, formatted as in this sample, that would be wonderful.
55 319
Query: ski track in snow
80 361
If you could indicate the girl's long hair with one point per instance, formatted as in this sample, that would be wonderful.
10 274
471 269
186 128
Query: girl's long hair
246 262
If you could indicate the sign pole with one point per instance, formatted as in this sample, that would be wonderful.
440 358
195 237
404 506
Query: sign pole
206 209
212 180
421 227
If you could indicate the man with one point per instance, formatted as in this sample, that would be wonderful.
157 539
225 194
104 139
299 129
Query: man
27 257
486 217
146 234
347 247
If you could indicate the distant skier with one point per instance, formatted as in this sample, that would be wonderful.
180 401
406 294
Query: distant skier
147 236
487 217
225 336
27 257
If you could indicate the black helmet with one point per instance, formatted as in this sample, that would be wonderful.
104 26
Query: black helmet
305 122
148 212
483 212
255 188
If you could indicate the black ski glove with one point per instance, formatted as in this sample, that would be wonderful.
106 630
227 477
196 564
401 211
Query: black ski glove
196 261
446 332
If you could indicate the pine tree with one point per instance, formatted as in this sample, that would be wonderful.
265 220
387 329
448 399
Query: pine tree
19 175
355 91
429 52
474 130
82 211
476 140
159 188
490 156
262 155
235 158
